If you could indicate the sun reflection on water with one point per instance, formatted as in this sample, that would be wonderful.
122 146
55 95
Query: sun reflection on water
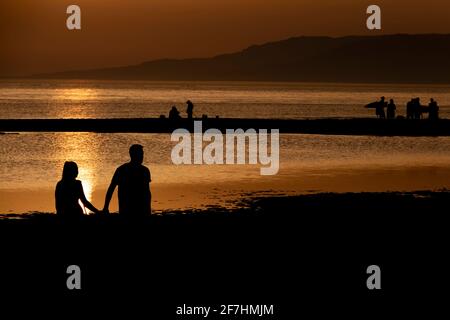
87 179
74 102
80 149
75 94
73 147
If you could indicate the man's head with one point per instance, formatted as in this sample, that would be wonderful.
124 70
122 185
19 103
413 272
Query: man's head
137 153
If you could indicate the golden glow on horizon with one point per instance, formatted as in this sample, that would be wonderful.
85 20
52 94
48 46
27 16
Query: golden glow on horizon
76 94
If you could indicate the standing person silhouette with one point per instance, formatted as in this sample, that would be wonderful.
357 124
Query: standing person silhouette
391 109
69 191
410 109
380 108
190 109
417 108
433 110
133 181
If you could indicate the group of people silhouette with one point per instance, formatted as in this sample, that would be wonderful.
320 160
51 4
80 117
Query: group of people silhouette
174 114
133 182
414 109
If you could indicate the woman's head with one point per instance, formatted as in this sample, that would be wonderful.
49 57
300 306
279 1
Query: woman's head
70 170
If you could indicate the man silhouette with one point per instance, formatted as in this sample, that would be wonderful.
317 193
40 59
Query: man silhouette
190 109
133 181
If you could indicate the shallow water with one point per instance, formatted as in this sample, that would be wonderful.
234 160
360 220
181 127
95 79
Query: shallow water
130 99
31 164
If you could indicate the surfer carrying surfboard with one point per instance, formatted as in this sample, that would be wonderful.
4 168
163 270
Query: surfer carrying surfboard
379 107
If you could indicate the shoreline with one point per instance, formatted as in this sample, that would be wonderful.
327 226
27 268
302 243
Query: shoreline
274 205
169 196
354 126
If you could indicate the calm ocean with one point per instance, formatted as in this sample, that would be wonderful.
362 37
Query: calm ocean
31 163
134 99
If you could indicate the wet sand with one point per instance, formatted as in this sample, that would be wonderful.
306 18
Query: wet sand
168 197
321 243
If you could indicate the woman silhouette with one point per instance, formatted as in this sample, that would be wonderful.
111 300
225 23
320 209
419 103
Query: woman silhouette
69 191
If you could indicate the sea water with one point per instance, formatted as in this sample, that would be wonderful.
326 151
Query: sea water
31 163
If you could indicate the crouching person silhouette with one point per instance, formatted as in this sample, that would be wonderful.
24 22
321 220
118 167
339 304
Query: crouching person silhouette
133 181
69 191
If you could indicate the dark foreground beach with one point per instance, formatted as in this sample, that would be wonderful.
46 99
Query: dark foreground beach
406 205
272 250
361 126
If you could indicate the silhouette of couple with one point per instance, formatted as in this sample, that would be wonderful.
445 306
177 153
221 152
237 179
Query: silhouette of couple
133 181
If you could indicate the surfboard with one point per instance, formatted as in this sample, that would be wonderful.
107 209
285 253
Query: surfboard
372 105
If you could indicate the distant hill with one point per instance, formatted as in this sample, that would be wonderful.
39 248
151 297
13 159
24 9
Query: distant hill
392 58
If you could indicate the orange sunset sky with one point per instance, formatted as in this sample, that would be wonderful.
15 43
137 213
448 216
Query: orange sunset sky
34 37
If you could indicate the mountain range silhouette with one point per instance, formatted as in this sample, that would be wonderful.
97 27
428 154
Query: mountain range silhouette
402 58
